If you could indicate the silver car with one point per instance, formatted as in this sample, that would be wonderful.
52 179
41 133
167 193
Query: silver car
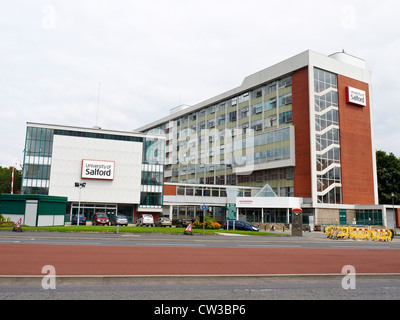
164 222
119 220
145 219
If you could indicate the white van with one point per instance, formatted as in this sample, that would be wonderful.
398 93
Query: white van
145 219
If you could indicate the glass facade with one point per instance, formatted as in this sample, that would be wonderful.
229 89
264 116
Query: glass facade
211 144
37 161
371 217
327 139
151 195
38 158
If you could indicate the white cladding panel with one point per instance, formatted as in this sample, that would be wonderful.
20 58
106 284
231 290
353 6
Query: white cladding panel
68 153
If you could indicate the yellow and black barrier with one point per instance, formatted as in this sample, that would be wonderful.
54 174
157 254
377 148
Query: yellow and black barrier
336 232
358 233
381 235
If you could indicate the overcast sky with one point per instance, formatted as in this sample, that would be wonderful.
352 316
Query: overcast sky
150 56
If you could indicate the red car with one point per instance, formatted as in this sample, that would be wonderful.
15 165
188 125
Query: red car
100 218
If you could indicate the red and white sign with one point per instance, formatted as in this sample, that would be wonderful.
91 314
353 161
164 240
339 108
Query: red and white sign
189 228
98 169
356 96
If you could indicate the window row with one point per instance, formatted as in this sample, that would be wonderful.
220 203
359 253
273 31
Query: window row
254 94
152 178
34 171
39 142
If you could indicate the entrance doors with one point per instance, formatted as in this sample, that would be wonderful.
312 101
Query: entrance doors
90 209
342 217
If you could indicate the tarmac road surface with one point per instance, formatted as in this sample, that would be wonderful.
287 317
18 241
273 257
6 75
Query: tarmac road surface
28 259
136 267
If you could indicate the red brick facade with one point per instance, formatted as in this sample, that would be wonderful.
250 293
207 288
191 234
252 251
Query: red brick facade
355 146
301 121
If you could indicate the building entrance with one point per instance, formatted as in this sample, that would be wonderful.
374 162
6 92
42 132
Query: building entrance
90 209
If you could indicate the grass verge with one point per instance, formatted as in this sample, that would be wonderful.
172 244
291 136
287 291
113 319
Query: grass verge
113 229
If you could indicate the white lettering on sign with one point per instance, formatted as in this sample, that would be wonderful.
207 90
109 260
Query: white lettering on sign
356 96
96 169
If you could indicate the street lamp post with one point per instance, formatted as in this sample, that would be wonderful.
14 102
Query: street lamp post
394 214
80 186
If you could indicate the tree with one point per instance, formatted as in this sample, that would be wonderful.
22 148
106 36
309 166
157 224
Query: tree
5 180
388 172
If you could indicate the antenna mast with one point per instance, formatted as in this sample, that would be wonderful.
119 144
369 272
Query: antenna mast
98 101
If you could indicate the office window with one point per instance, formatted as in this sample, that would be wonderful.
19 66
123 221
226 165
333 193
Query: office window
221 120
211 110
270 104
270 122
221 106
271 87
285 82
211 123
151 199
257 93
285 117
256 108
184 119
285 99
244 112
232 116
244 97
202 125
201 114
257 125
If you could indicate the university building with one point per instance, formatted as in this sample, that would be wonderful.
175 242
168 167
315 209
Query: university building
122 171
301 129
298 134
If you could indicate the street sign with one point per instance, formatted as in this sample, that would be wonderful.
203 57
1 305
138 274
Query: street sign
204 207
231 211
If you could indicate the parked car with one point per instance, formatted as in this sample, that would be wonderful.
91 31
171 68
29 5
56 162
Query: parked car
183 223
145 219
119 220
82 219
241 225
163 222
100 218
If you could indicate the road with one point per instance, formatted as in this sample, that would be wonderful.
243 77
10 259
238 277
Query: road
165 254
149 266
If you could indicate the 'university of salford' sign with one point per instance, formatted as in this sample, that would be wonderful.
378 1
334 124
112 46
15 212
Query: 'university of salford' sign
356 96
96 169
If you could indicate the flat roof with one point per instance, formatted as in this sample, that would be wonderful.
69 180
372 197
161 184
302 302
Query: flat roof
274 72
94 130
